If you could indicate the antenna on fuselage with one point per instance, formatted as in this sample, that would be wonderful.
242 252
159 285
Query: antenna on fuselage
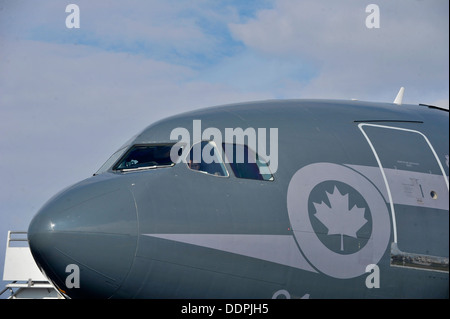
399 98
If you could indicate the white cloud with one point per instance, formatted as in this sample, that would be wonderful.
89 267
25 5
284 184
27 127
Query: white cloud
410 49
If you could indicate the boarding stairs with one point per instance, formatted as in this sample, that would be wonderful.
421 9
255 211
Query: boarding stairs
25 279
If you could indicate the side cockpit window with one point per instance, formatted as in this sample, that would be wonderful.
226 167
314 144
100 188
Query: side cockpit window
204 157
245 163
145 157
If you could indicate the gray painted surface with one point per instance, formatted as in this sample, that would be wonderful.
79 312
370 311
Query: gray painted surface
354 179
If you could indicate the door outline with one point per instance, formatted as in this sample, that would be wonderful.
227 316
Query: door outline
398 257
391 202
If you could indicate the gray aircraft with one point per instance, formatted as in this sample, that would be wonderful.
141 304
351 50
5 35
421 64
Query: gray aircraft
270 199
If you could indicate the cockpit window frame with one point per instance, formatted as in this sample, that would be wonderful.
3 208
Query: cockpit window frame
133 147
259 160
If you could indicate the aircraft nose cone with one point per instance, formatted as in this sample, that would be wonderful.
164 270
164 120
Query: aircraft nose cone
84 239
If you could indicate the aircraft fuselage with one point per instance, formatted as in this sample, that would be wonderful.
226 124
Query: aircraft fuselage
355 207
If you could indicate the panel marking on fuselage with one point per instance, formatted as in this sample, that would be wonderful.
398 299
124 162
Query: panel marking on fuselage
408 187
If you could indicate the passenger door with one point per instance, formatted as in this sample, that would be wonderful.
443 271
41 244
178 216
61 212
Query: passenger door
418 194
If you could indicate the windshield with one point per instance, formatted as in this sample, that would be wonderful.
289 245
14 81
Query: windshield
145 156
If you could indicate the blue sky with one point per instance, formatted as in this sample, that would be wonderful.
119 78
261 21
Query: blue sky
70 97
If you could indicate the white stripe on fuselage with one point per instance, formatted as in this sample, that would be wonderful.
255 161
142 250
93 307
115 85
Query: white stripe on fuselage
280 249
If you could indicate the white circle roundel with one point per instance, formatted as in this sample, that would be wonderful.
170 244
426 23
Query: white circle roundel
338 218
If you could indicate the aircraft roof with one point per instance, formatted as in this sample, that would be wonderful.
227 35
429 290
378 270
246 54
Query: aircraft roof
272 113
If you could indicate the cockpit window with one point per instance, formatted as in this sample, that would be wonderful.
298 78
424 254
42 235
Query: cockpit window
204 157
145 157
245 163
